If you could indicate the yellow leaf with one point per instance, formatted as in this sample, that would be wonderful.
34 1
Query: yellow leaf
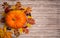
29 25
21 30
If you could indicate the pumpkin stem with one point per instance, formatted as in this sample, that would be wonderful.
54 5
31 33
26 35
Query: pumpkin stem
13 19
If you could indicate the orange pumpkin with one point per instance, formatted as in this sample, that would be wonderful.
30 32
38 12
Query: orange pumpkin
7 35
16 19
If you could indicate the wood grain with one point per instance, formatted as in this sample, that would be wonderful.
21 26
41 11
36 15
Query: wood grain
47 16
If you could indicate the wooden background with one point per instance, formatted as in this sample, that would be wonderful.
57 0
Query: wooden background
47 16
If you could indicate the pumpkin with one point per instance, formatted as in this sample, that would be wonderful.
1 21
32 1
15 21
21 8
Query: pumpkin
15 19
1 33
7 35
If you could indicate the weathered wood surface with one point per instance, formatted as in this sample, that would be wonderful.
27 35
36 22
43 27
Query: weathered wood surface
47 16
